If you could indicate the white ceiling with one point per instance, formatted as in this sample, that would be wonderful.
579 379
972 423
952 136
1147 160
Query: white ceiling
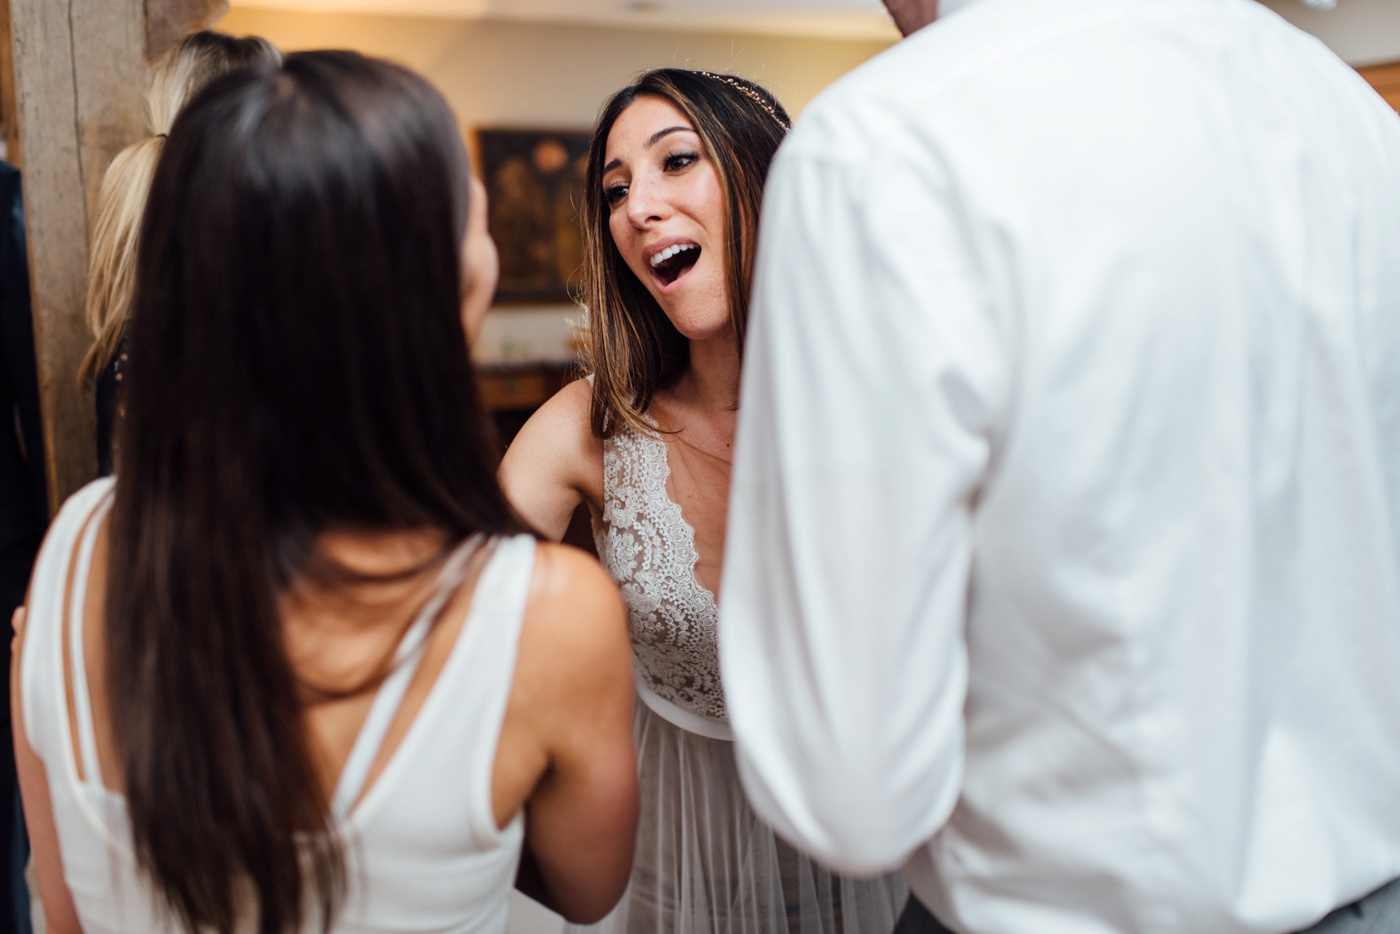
850 19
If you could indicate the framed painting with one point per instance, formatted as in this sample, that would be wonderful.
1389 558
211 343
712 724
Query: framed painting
534 184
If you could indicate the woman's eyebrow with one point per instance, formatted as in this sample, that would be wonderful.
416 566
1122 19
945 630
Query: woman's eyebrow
659 135
652 140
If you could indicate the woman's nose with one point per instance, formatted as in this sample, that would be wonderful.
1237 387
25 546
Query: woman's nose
645 203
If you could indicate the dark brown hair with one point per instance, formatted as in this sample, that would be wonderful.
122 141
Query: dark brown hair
298 364
633 348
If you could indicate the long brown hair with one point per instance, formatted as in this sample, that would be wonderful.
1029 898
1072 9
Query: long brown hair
198 59
298 364
633 348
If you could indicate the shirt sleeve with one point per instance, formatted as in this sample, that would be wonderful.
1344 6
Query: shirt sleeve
874 377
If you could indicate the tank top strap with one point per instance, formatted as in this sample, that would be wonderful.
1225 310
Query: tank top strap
482 673
449 751
88 765
45 670
391 691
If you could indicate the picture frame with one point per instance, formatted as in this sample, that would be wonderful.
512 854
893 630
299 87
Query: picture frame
534 181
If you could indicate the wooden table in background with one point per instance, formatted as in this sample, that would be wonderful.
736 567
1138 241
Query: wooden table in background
511 393
1386 80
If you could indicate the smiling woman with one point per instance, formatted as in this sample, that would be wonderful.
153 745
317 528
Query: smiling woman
665 208
675 181
696 148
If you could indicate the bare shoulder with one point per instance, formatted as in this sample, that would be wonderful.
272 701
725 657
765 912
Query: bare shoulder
575 622
555 462
562 571
561 428
573 697
572 401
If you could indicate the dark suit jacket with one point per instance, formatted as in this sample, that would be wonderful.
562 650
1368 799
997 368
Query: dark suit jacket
23 511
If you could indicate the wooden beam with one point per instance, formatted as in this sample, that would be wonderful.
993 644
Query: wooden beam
1386 80
79 69
169 21
7 88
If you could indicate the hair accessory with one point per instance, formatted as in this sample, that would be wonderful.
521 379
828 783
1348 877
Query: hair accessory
162 136
751 94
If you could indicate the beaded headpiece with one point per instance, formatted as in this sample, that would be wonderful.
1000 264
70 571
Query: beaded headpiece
751 94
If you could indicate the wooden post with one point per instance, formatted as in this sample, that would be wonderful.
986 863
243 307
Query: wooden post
79 70
169 21
7 87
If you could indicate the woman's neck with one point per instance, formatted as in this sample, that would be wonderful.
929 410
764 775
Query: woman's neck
711 383
356 574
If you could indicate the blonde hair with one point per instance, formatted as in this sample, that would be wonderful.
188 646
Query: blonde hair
197 60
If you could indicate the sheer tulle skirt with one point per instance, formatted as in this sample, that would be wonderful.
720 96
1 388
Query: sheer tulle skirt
706 864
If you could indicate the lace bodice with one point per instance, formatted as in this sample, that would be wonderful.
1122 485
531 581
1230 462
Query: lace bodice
649 548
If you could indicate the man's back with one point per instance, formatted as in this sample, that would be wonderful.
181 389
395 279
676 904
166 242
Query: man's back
1145 415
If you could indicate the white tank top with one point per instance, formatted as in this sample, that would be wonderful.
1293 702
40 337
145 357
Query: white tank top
422 846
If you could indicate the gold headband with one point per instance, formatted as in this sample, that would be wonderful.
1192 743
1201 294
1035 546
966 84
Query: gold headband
751 94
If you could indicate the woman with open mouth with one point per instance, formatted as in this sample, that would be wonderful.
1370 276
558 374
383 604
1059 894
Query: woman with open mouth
675 181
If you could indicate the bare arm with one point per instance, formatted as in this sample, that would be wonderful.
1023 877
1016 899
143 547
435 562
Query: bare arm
59 911
555 463
575 680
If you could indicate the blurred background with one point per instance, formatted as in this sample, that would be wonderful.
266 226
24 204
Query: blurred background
545 66
525 77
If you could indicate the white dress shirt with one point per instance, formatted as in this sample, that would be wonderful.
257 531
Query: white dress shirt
1064 548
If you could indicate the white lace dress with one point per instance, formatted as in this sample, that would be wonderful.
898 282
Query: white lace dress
705 864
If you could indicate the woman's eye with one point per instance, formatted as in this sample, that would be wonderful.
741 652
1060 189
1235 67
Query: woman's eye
679 160
614 193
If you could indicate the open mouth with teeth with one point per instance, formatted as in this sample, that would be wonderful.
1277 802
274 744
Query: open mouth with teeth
674 261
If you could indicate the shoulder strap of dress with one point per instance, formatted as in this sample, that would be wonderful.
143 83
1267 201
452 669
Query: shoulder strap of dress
482 670
88 764
391 692
628 455
42 669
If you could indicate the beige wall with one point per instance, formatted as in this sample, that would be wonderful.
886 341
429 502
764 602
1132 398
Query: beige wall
505 72
498 73
1363 32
